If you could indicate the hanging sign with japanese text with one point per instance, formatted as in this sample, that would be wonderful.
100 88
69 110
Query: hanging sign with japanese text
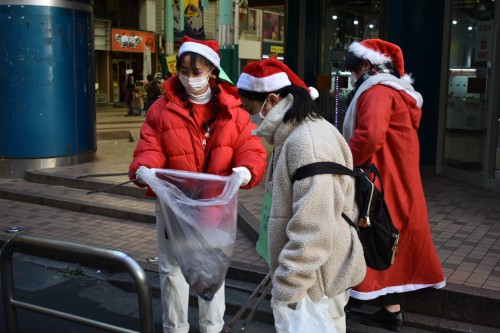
123 40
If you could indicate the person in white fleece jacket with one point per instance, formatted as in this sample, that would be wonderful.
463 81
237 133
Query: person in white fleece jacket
312 249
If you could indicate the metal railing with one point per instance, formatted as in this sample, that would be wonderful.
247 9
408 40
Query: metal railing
78 251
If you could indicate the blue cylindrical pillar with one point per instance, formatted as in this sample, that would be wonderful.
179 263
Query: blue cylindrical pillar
47 117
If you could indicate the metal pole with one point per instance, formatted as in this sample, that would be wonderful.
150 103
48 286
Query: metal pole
236 21
8 289
169 28
225 21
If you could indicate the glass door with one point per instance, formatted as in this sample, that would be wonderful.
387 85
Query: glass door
469 95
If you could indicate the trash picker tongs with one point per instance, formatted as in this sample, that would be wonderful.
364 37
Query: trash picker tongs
256 306
266 282
92 175
108 175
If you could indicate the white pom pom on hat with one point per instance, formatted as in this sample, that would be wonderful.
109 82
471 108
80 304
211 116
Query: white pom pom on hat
270 75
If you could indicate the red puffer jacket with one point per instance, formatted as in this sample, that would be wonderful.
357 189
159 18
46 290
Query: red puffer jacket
169 137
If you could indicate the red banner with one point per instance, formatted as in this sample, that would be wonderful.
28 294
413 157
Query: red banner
132 40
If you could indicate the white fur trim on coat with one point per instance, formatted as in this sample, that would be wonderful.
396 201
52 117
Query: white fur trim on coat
385 79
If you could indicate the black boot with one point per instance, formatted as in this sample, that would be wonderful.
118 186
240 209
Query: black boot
382 318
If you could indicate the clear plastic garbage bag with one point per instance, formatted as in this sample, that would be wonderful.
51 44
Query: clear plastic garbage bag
308 317
201 214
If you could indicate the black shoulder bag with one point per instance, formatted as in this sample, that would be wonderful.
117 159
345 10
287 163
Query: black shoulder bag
377 233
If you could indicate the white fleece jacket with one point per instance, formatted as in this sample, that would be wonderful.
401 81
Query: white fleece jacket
312 249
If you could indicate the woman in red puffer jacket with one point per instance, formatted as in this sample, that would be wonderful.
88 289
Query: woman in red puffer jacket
198 125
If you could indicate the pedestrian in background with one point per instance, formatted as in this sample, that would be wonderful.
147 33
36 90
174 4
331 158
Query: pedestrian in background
198 126
153 92
137 102
147 85
129 94
312 250
381 126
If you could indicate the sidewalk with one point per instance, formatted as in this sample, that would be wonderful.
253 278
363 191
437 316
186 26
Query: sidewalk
465 220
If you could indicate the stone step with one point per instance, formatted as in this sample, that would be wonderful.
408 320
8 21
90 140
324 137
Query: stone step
75 199
456 303
117 206
85 183
246 221
238 293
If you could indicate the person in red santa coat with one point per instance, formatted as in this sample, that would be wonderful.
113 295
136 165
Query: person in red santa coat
381 126
199 126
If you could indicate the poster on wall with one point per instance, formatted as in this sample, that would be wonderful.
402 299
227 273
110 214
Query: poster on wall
172 63
484 41
132 40
272 26
193 19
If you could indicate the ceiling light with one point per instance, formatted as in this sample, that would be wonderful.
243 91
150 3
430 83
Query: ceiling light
334 17
469 28
454 22
356 22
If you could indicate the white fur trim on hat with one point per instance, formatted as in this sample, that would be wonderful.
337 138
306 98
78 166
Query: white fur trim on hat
204 50
371 55
263 84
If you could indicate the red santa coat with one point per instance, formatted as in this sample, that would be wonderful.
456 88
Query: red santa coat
170 137
386 134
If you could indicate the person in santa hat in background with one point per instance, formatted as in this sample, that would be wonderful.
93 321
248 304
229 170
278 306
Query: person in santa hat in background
198 125
381 126
312 250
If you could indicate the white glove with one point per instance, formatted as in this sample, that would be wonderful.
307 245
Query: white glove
245 175
139 175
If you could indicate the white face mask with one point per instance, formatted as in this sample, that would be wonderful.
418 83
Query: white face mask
194 85
273 119
258 117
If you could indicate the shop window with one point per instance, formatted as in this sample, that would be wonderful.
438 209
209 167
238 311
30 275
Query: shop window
344 23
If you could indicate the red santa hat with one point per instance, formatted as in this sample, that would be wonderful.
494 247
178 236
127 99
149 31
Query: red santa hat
269 75
208 48
378 52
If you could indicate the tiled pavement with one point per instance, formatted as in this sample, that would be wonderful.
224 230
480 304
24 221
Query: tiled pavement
465 220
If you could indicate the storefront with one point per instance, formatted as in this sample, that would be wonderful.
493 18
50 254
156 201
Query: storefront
133 52
450 47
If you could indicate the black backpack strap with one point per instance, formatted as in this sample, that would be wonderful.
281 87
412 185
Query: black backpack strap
318 168
348 220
